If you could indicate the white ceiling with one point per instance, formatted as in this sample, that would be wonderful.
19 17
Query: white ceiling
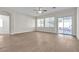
30 10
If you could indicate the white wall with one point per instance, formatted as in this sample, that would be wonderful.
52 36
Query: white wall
18 22
78 23
67 12
22 23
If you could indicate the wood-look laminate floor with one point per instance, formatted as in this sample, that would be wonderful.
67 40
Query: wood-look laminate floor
38 42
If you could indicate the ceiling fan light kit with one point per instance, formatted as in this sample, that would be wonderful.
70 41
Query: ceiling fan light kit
40 10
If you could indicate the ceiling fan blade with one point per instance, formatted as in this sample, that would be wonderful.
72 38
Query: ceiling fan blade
35 10
45 10
53 7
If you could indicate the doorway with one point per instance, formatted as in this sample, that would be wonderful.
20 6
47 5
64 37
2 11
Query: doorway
65 25
4 24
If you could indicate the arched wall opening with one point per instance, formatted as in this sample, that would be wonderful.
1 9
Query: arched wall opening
5 22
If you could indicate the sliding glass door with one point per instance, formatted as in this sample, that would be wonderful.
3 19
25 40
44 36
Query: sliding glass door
65 25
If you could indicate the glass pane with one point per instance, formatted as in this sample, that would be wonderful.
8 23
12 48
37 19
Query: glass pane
40 22
67 25
51 22
46 22
1 23
60 25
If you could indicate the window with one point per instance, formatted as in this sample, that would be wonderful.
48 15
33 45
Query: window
40 22
46 22
1 23
49 22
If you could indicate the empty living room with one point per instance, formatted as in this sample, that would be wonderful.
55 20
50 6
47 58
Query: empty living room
39 29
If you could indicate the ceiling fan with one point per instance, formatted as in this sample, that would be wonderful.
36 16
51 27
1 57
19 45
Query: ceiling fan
40 10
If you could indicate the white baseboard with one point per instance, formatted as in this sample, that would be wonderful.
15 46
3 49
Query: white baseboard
12 33
20 32
78 37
